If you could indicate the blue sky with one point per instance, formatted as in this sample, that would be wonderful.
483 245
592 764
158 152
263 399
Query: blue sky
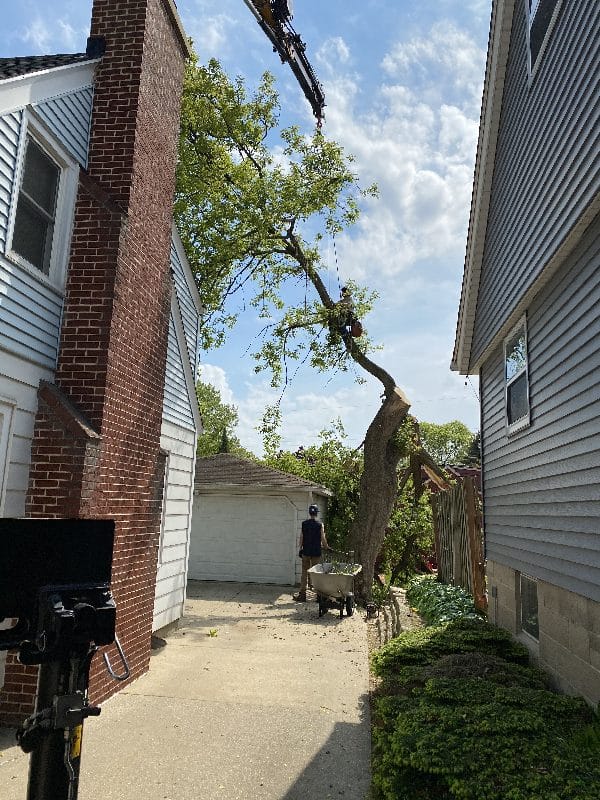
402 83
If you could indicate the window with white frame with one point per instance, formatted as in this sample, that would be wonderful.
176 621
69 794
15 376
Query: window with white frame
43 204
542 16
516 378
529 606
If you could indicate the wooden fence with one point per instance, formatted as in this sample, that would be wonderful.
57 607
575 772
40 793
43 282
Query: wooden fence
458 538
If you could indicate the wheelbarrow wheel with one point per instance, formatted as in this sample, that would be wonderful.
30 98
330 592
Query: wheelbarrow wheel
322 605
350 605
341 606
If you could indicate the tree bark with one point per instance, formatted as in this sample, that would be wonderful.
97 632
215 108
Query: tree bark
379 480
378 486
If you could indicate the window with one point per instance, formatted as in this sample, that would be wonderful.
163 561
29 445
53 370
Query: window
542 15
43 203
35 217
529 606
516 378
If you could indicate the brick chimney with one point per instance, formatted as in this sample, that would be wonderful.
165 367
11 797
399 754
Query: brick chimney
96 447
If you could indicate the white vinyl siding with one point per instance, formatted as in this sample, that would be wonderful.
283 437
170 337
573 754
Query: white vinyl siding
180 444
19 381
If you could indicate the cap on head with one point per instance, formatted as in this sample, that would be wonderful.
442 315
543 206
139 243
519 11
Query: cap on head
313 510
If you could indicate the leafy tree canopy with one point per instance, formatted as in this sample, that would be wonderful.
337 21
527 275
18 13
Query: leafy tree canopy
337 467
252 204
448 443
219 421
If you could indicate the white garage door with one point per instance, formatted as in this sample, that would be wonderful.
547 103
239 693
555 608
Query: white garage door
238 538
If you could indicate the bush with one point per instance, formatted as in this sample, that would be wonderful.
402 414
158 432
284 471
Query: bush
426 645
463 716
438 602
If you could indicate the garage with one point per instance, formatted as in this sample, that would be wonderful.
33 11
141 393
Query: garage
247 520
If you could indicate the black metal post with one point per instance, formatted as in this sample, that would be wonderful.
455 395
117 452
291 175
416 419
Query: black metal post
55 760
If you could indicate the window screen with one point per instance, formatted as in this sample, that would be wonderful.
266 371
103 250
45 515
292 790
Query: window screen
36 207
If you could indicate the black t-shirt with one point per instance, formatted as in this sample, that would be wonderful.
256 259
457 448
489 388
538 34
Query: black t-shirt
311 537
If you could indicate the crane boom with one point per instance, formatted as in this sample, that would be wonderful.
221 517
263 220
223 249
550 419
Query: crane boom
274 17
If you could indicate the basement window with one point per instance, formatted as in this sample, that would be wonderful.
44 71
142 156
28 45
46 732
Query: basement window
516 378
529 606
542 15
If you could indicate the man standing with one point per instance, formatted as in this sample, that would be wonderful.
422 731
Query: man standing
312 540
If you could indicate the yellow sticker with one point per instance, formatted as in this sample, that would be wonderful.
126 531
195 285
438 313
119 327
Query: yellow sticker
76 735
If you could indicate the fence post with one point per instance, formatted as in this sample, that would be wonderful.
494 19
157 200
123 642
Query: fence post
474 538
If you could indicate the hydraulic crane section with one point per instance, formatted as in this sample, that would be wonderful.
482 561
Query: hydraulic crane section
274 17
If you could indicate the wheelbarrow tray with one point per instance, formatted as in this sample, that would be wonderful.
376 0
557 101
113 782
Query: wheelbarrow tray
338 584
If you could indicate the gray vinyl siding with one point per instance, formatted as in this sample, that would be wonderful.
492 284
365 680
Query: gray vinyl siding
30 315
176 403
30 310
187 308
10 128
542 485
69 118
546 168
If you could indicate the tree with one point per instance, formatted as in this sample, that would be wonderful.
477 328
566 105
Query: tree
448 443
219 421
252 224
337 467
474 453
409 538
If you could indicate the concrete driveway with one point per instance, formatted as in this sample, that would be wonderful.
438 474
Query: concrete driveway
253 696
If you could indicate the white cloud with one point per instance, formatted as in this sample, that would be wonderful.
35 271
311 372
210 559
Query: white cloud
38 34
211 34
417 147
451 52
69 36
217 377
332 53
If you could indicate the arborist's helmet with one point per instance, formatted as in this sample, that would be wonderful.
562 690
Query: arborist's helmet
313 510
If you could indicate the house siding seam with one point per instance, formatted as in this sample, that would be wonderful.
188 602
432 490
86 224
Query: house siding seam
546 169
541 486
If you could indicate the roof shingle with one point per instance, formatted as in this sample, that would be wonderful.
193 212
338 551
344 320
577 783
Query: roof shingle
231 470
24 65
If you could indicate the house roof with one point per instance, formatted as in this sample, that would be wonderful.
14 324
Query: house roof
493 90
227 469
25 65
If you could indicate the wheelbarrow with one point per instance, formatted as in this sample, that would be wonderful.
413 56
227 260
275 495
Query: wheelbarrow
333 581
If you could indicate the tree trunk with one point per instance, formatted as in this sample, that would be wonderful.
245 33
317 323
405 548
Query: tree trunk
378 486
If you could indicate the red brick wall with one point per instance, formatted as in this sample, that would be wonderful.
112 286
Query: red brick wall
112 355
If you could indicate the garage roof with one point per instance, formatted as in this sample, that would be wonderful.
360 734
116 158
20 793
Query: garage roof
227 469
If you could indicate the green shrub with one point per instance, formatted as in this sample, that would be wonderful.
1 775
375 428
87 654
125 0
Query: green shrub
481 741
426 645
438 602
461 716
